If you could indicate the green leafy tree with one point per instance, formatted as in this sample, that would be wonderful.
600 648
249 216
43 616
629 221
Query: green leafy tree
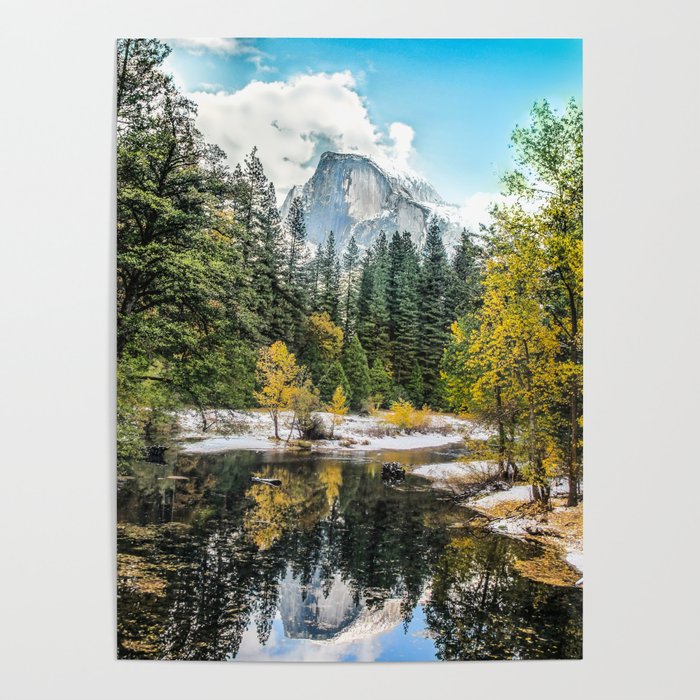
185 302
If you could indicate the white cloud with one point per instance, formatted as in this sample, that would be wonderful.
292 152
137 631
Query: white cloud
402 137
475 208
221 47
225 47
281 648
292 122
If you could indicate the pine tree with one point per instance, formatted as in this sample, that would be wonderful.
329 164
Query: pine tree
329 274
297 257
381 385
466 287
434 316
314 280
403 306
415 388
363 322
334 377
255 207
270 286
186 315
297 277
373 312
351 258
357 372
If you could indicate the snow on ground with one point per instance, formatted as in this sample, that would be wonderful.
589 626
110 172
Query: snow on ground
253 430
442 471
515 493
516 525
225 444
445 471
574 556
401 441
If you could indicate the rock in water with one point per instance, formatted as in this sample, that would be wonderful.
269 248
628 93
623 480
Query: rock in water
393 472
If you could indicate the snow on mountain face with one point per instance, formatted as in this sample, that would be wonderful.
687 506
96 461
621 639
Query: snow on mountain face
352 194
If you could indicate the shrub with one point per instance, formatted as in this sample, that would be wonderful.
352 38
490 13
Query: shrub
407 418
313 428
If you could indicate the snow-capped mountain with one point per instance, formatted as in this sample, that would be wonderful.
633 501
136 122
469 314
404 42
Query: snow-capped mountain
353 194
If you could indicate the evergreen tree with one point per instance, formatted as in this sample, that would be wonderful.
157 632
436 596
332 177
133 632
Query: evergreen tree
373 311
363 322
270 288
333 378
297 257
415 388
187 317
249 209
403 306
357 372
314 280
435 315
329 274
466 287
381 386
297 276
351 258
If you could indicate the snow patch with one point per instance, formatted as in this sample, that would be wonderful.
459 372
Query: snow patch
253 430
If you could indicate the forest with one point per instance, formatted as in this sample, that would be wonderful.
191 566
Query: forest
222 304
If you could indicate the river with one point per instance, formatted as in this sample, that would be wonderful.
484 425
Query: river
333 565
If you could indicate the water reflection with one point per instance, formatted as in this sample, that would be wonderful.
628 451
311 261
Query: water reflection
332 565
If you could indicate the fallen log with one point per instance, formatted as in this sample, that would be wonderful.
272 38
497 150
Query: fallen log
268 482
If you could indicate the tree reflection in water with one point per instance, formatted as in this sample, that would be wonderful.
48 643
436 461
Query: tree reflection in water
329 551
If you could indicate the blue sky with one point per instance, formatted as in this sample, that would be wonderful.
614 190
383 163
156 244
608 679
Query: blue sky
453 103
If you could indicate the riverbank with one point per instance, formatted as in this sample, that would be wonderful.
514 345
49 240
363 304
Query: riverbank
512 512
254 430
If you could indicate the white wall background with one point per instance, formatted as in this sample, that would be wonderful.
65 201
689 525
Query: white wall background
57 591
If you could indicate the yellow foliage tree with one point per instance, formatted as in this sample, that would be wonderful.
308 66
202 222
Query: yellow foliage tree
514 353
338 407
277 373
518 361
303 401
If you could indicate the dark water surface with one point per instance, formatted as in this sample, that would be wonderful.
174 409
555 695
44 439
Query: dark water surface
334 565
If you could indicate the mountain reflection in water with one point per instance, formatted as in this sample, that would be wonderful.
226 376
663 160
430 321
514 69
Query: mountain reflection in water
332 565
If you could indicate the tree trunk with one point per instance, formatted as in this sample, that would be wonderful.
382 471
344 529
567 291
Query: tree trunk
275 421
573 461
501 436
572 500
